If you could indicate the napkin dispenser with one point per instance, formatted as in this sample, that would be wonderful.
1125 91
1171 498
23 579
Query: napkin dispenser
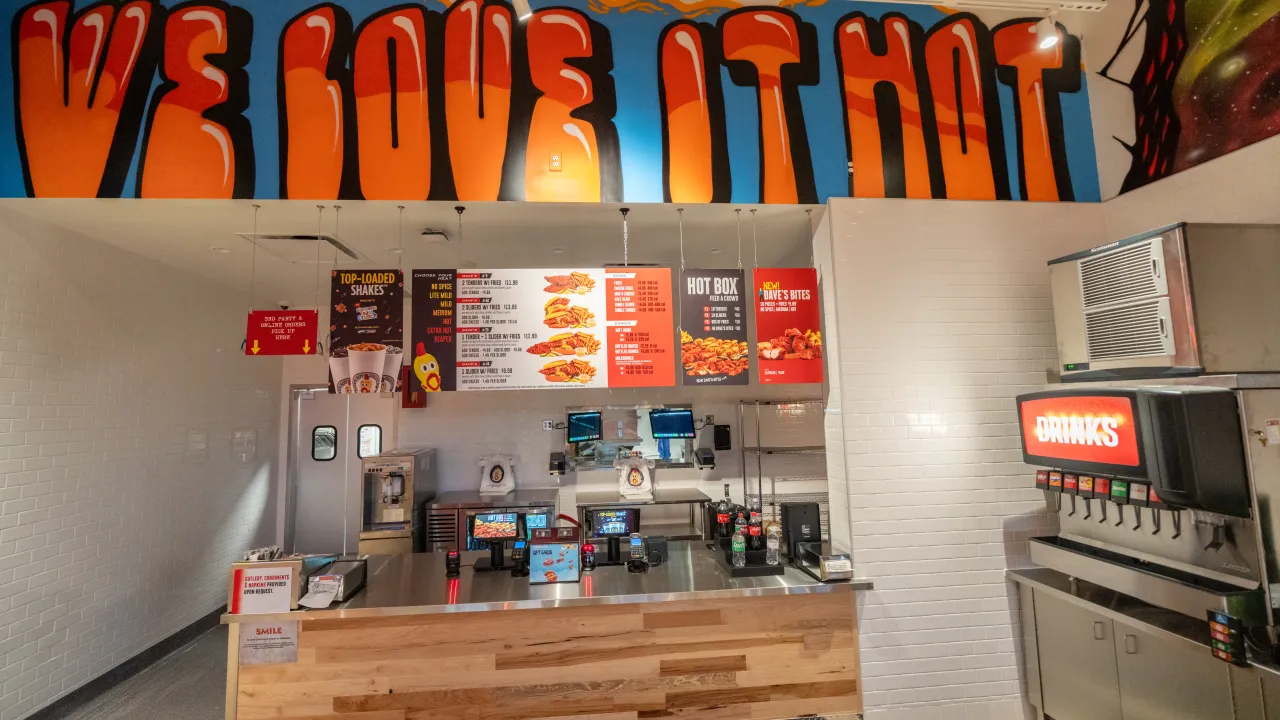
350 575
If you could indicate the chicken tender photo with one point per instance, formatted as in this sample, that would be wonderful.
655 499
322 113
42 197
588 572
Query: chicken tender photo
793 345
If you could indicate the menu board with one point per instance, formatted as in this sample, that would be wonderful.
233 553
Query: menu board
713 319
788 325
366 330
435 358
639 321
540 329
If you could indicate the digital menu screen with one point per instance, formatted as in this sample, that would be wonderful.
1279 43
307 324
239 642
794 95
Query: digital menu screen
618 523
585 426
495 526
670 424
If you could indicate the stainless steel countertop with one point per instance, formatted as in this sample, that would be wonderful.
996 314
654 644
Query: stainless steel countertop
661 496
517 498
415 584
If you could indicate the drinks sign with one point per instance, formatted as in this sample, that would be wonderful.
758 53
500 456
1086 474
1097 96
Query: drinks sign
1091 429
366 330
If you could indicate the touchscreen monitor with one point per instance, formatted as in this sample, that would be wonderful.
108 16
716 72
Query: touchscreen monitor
671 423
615 523
585 426
495 526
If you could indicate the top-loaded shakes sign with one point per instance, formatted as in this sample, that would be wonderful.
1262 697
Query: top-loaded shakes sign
1098 429
583 100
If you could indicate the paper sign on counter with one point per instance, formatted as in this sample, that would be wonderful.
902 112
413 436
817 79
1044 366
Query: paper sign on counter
265 643
321 592
262 590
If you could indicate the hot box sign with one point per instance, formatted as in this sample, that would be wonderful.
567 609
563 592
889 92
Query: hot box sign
788 325
1095 429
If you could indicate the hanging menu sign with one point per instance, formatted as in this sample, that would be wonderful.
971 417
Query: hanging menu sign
521 329
788 325
713 319
639 318
541 329
434 363
366 330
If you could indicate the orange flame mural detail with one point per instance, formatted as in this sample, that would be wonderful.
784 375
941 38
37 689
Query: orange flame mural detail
313 103
478 37
81 89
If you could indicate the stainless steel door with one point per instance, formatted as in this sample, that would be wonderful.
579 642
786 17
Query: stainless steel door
1167 679
1077 661
324 504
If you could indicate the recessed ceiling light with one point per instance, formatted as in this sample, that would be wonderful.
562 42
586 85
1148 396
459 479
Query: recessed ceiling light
220 249
558 251
395 250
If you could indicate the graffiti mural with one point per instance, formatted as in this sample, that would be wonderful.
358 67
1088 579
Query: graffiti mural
590 101
1206 81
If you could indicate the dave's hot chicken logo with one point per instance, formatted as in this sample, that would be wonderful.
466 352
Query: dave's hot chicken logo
1088 428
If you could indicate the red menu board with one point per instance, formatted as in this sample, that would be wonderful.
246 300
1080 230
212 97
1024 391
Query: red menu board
788 325
639 322
281 332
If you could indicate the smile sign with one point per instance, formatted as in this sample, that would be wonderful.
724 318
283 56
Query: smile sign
1097 429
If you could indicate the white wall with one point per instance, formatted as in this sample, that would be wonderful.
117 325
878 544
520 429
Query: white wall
944 317
114 531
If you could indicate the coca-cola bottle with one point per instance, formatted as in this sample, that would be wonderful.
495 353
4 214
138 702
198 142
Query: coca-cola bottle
724 515
755 527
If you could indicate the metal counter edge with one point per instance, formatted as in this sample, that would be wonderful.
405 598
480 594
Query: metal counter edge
540 604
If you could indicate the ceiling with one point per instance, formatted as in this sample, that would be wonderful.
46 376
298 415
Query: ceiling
213 238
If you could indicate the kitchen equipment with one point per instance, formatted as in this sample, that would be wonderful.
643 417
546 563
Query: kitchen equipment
813 558
449 515
1126 309
397 484
349 573
801 523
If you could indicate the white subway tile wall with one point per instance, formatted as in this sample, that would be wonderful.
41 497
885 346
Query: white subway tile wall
121 504
943 316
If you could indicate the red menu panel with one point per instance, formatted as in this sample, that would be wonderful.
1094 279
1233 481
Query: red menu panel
1087 428
641 343
788 325
281 332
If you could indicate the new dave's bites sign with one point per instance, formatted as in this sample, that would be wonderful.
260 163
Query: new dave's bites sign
1097 429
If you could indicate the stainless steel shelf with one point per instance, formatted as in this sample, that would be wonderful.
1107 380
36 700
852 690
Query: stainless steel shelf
781 450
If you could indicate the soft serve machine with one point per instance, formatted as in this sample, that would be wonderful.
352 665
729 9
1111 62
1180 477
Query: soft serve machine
396 487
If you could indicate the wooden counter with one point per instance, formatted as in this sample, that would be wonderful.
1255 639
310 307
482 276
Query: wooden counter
752 656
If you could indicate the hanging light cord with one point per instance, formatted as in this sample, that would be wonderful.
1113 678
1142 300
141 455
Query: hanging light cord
319 231
625 247
680 213
755 244
808 214
253 259
459 209
337 231
400 238
738 222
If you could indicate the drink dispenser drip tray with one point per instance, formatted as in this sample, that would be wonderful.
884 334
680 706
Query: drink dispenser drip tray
1156 584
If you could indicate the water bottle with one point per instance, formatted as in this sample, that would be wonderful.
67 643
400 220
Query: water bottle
739 544
773 546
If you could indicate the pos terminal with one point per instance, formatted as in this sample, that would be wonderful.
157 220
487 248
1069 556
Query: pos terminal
613 526
495 529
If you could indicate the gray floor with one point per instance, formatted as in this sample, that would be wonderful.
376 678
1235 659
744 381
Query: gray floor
190 684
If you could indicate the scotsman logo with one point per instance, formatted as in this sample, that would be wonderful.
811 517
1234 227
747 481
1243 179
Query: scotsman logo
1076 430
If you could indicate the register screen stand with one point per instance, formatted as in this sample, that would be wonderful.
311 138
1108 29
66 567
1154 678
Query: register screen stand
495 529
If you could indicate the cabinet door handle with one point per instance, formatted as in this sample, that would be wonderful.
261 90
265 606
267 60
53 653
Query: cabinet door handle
1130 645
1099 631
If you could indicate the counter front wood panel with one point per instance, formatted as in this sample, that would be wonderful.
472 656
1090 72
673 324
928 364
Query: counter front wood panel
764 657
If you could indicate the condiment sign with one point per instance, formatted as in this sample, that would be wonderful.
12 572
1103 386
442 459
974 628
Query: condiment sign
542 329
1096 429
713 320
366 330
281 332
261 590
788 325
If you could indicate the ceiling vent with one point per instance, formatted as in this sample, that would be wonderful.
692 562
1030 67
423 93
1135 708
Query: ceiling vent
300 249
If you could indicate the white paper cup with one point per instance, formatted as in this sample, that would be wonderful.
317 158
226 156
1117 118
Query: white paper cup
366 361
391 368
340 370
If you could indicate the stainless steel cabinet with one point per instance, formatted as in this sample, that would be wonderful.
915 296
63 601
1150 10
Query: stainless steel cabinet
1163 678
1078 674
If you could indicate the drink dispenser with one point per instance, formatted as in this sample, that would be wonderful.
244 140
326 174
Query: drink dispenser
1184 443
